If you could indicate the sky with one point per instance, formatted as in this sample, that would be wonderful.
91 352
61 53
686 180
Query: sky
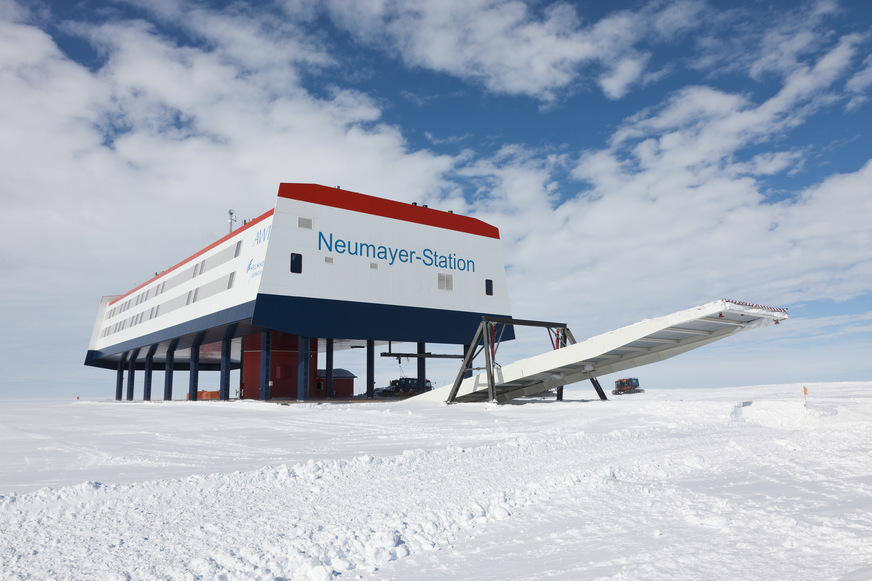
639 158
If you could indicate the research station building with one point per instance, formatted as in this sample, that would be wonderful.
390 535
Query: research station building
324 269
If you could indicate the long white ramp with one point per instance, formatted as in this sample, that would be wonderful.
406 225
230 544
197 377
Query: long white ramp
645 342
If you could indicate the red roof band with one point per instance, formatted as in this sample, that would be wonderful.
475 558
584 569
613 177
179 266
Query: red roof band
345 200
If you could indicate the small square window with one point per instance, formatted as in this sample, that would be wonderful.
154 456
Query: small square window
304 222
446 281
296 263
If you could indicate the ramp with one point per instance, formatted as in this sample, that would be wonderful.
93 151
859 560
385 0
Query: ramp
645 342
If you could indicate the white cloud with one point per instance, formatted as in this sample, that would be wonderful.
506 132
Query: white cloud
616 82
858 85
770 163
193 132
504 46
165 133
764 42
673 212
699 129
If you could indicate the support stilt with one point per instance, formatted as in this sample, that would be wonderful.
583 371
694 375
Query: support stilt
370 368
303 352
194 376
331 391
265 356
224 380
422 367
119 379
131 372
168 371
148 373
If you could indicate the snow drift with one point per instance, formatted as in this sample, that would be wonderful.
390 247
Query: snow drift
673 484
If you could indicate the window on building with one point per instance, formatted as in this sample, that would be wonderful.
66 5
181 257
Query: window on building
489 287
446 281
296 263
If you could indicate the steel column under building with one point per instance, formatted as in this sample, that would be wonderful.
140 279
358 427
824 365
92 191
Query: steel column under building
148 372
331 392
119 379
224 380
131 372
168 371
194 375
370 368
303 376
422 367
265 354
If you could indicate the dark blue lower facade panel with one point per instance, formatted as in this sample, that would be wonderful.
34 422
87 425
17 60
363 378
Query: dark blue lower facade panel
208 329
307 317
366 321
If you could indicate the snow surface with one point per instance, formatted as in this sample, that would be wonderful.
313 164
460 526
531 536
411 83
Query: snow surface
738 483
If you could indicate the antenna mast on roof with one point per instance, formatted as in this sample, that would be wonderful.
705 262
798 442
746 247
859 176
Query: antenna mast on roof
231 219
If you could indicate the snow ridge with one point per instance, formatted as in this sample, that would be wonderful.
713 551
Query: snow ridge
318 519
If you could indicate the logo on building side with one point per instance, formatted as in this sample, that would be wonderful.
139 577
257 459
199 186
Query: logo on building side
426 256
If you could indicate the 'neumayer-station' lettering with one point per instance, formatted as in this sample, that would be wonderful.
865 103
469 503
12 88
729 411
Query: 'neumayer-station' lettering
426 256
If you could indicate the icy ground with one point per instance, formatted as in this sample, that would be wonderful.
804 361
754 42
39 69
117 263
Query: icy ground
741 483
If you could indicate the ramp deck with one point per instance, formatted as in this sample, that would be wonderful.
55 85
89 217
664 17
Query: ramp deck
645 342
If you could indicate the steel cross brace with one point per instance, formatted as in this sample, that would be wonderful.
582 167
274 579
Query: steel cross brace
486 339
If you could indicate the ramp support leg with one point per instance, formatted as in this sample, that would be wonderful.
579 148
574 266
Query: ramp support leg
561 343
598 388
465 370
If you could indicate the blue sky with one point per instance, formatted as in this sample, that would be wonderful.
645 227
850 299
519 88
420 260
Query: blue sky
638 157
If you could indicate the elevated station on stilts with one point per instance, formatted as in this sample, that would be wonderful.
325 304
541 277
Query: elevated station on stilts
330 269
325 269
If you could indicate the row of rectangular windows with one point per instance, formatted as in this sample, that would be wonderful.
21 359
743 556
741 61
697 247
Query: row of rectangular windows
192 296
198 269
